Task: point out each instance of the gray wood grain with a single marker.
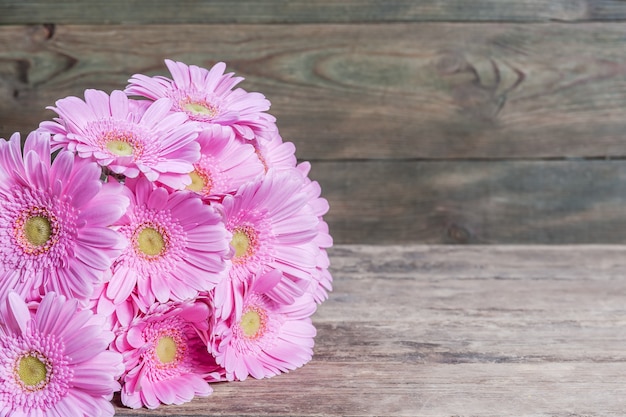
(299, 11)
(484, 202)
(504, 331)
(393, 91)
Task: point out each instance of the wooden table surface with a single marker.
(454, 331)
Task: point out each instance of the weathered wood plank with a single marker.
(475, 201)
(354, 389)
(293, 11)
(432, 90)
(454, 331)
(607, 10)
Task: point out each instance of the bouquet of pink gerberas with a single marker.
(152, 241)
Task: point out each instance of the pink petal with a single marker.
(19, 315)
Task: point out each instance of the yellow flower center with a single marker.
(197, 183)
(241, 242)
(31, 371)
(200, 181)
(200, 109)
(253, 323)
(120, 147)
(151, 242)
(37, 230)
(166, 349)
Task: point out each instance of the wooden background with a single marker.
(426, 121)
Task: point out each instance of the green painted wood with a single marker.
(476, 202)
(403, 90)
(300, 11)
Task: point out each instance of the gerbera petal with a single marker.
(160, 253)
(121, 284)
(62, 166)
(47, 210)
(158, 199)
(118, 104)
(209, 97)
(99, 237)
(93, 257)
(39, 143)
(160, 291)
(157, 111)
(19, 315)
(164, 393)
(68, 356)
(36, 170)
(103, 214)
(85, 183)
(98, 102)
(150, 382)
(122, 135)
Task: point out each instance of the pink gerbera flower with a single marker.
(225, 163)
(209, 97)
(54, 361)
(54, 220)
(166, 360)
(264, 338)
(272, 227)
(177, 246)
(322, 283)
(127, 139)
(276, 154)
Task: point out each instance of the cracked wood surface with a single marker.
(466, 331)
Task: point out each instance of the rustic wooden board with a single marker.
(607, 9)
(299, 11)
(367, 91)
(502, 331)
(475, 201)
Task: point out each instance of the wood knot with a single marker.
(15, 72)
(479, 83)
(458, 234)
(50, 29)
(450, 63)
(42, 33)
